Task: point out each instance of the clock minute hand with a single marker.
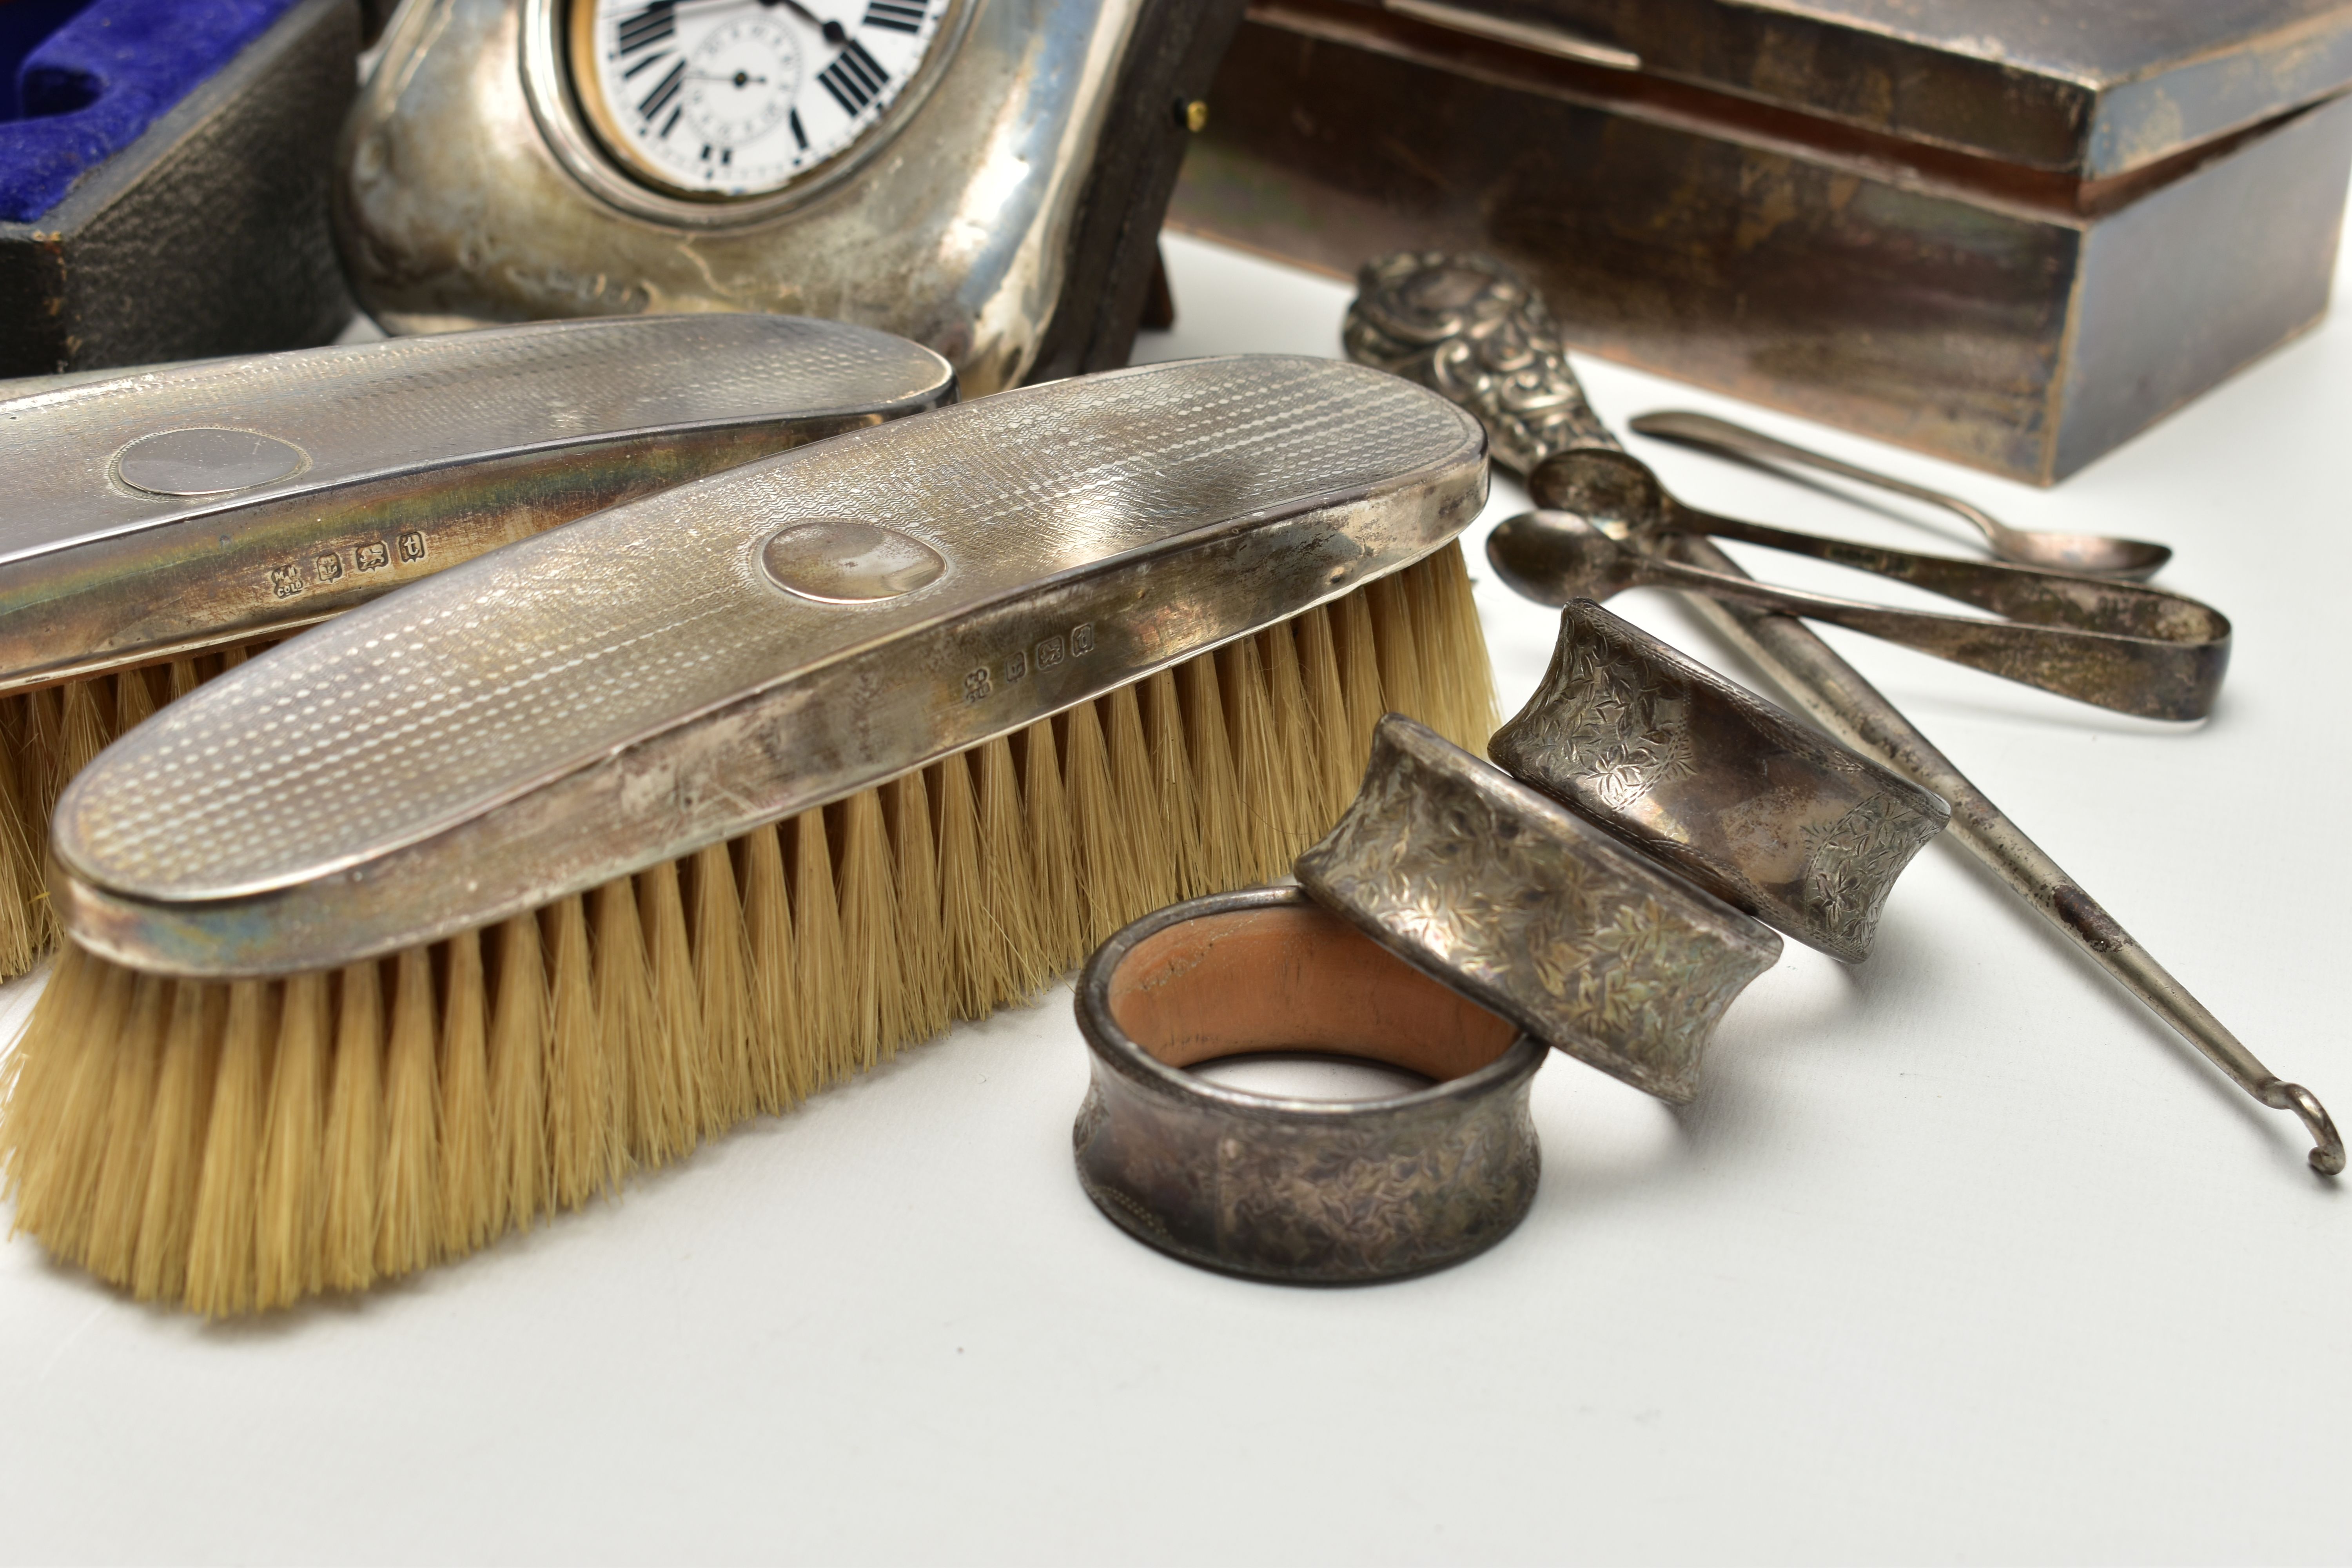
(834, 32)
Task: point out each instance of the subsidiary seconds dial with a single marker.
(741, 97)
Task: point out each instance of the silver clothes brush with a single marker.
(199, 510)
(158, 514)
(456, 907)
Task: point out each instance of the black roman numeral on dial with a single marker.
(714, 98)
(649, 26)
(663, 91)
(898, 15)
(853, 78)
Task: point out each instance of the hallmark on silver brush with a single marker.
(980, 682)
(287, 581)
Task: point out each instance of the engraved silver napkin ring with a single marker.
(1494, 889)
(1518, 924)
(1769, 814)
(1298, 1191)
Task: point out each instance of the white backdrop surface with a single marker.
(1958, 1256)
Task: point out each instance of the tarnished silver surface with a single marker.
(1766, 813)
(1856, 712)
(144, 517)
(1303, 1191)
(471, 191)
(1507, 896)
(837, 561)
(2123, 646)
(637, 685)
(1545, 37)
(1467, 327)
(200, 460)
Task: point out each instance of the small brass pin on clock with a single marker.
(986, 177)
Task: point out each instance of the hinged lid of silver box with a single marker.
(2087, 88)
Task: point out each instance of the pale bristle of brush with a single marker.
(47, 735)
(234, 1146)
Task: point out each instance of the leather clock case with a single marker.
(207, 233)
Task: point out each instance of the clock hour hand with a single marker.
(833, 31)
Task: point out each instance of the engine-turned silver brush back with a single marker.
(156, 513)
(671, 673)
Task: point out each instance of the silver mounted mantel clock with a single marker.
(746, 106)
(984, 176)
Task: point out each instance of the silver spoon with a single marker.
(2100, 554)
(1621, 496)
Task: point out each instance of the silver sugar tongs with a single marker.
(2123, 646)
(1469, 329)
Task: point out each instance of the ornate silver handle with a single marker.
(1471, 330)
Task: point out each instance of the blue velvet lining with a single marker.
(83, 78)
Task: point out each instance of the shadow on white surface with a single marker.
(1954, 1258)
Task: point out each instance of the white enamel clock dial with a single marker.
(741, 97)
